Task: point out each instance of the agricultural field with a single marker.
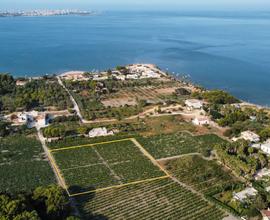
(121, 99)
(159, 199)
(166, 124)
(168, 145)
(131, 95)
(22, 164)
(101, 165)
(202, 175)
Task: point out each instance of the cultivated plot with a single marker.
(168, 145)
(159, 199)
(100, 166)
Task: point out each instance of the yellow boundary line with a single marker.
(51, 158)
(90, 145)
(150, 157)
(134, 141)
(119, 186)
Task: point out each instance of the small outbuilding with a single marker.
(250, 136)
(194, 104)
(244, 194)
(98, 132)
(201, 121)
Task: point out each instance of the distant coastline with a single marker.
(45, 13)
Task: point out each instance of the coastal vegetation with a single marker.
(151, 131)
(216, 97)
(243, 159)
(34, 94)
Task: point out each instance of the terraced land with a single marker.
(159, 199)
(168, 145)
(22, 165)
(96, 166)
(202, 175)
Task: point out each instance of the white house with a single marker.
(194, 104)
(21, 82)
(41, 120)
(119, 77)
(132, 76)
(100, 77)
(262, 173)
(265, 147)
(250, 136)
(74, 76)
(33, 118)
(201, 121)
(248, 192)
(23, 117)
(150, 74)
(97, 132)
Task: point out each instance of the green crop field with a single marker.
(167, 145)
(202, 175)
(103, 165)
(22, 166)
(159, 199)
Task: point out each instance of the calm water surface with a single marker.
(218, 49)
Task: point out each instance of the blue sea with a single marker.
(224, 50)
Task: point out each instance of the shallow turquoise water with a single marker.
(218, 49)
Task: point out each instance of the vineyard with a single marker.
(22, 166)
(202, 175)
(167, 145)
(101, 165)
(159, 199)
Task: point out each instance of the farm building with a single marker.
(24, 117)
(143, 71)
(201, 121)
(74, 76)
(132, 76)
(243, 195)
(249, 136)
(21, 82)
(97, 132)
(32, 119)
(193, 104)
(265, 147)
(262, 173)
(98, 77)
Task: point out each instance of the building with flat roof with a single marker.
(194, 104)
(244, 194)
(249, 136)
(98, 132)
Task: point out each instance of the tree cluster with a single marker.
(50, 203)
